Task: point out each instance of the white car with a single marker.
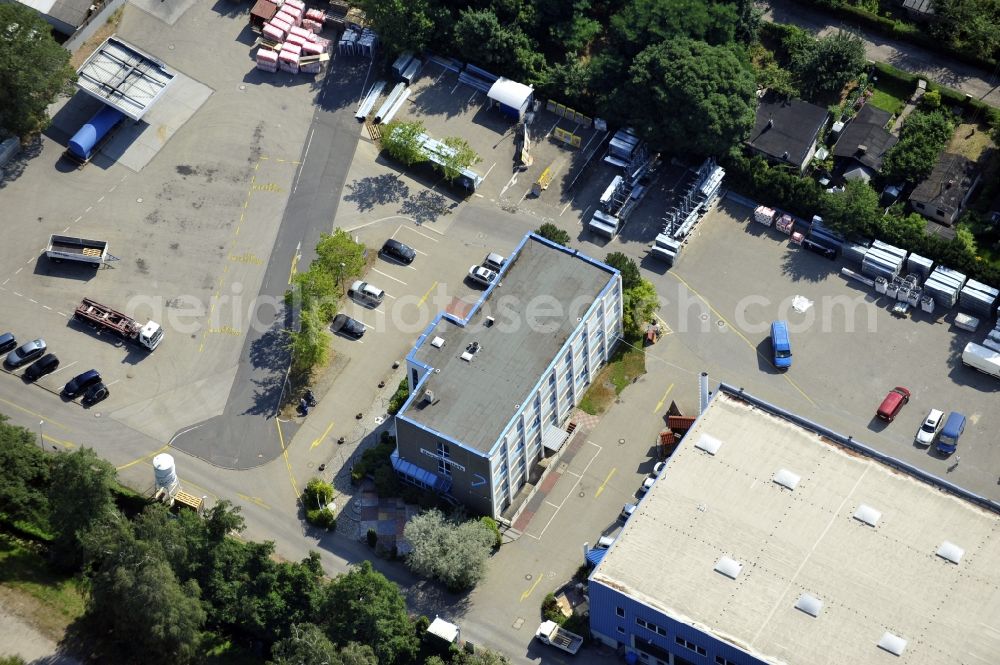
(658, 468)
(627, 511)
(481, 275)
(927, 431)
(604, 542)
(646, 484)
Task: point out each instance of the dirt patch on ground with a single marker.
(970, 140)
(20, 605)
(91, 44)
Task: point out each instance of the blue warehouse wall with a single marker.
(648, 631)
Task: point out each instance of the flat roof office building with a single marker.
(491, 391)
(768, 539)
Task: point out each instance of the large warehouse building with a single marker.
(769, 539)
(490, 392)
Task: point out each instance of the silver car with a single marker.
(26, 353)
(482, 276)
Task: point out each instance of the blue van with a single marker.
(952, 430)
(780, 345)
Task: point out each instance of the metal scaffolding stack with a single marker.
(696, 196)
(978, 298)
(944, 285)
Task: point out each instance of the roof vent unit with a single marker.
(951, 552)
(862, 149)
(709, 444)
(787, 479)
(809, 604)
(868, 515)
(894, 644)
(784, 155)
(429, 396)
(473, 348)
(490, 321)
(731, 568)
(466, 356)
(437, 342)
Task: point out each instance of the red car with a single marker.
(893, 402)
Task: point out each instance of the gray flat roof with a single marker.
(892, 577)
(475, 401)
(124, 77)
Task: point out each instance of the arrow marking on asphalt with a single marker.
(320, 439)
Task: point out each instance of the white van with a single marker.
(366, 294)
(981, 358)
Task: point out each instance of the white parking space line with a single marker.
(423, 235)
(29, 260)
(112, 383)
(64, 367)
(18, 270)
(389, 276)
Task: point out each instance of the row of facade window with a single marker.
(660, 630)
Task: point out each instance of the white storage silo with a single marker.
(165, 472)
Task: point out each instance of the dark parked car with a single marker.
(398, 251)
(7, 342)
(348, 326)
(95, 394)
(79, 383)
(41, 367)
(26, 353)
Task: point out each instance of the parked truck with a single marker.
(552, 633)
(981, 358)
(147, 335)
(81, 250)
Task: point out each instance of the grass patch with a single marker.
(24, 569)
(626, 365)
(891, 95)
(220, 651)
(970, 140)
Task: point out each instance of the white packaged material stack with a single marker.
(286, 17)
(267, 60)
(288, 59)
(273, 32)
(312, 26)
(315, 15)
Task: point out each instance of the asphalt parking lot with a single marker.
(735, 277)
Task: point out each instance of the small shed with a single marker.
(262, 12)
(445, 630)
(512, 97)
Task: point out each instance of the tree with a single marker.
(402, 25)
(363, 606)
(353, 653)
(481, 656)
(455, 553)
(627, 267)
(481, 38)
(640, 304)
(462, 158)
(552, 232)
(921, 140)
(708, 90)
(25, 476)
(835, 60)
(642, 23)
(340, 254)
(318, 493)
(853, 211)
(310, 344)
(79, 496)
(400, 140)
(137, 600)
(306, 645)
(34, 70)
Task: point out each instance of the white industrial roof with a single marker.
(799, 575)
(124, 77)
(40, 6)
(446, 630)
(509, 93)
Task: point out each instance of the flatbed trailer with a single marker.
(147, 335)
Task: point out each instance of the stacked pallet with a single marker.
(288, 57)
(978, 297)
(854, 252)
(992, 340)
(917, 264)
(267, 60)
(883, 260)
(944, 285)
(315, 15)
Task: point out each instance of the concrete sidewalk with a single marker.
(941, 69)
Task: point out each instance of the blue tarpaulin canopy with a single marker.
(595, 555)
(418, 476)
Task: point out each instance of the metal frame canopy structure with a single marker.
(124, 77)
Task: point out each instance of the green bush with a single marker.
(323, 518)
(386, 482)
(491, 524)
(551, 611)
(399, 397)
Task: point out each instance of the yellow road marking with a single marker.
(143, 458)
(64, 444)
(255, 500)
(284, 454)
(295, 264)
(604, 484)
(37, 415)
(659, 404)
(528, 592)
(741, 335)
(427, 294)
(320, 439)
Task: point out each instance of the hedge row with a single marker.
(898, 30)
(949, 97)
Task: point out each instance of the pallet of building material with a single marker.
(339, 7)
(369, 101)
(273, 33)
(927, 304)
(401, 63)
(297, 4)
(285, 17)
(847, 272)
(481, 73)
(312, 26)
(919, 264)
(398, 104)
(267, 60)
(316, 15)
(389, 101)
